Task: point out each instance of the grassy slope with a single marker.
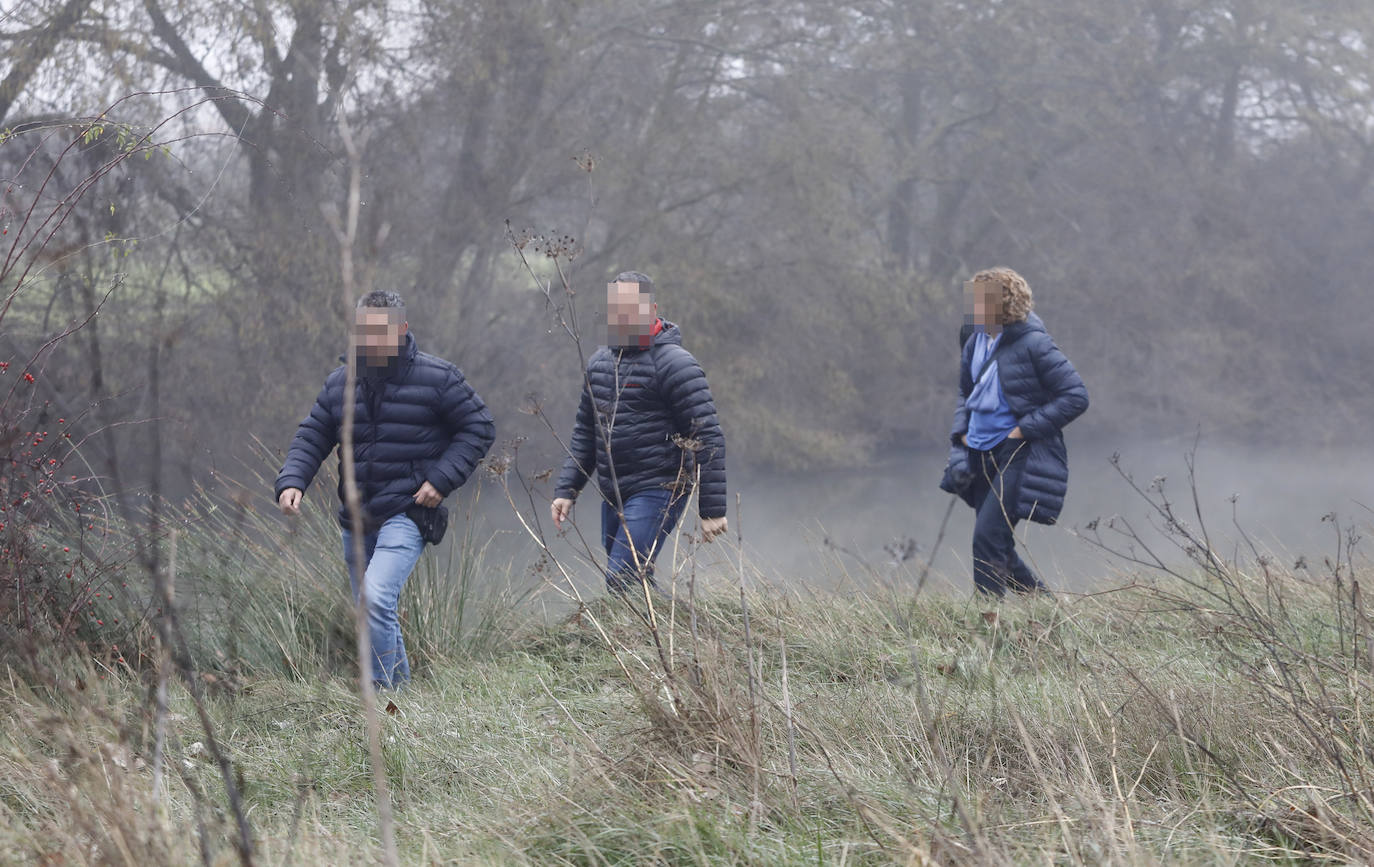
(1125, 727)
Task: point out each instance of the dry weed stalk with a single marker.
(346, 232)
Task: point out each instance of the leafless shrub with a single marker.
(55, 614)
(1300, 641)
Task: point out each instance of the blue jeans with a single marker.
(997, 477)
(390, 554)
(649, 517)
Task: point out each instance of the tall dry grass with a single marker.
(1197, 709)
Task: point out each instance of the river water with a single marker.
(836, 528)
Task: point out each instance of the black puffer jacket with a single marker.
(639, 401)
(419, 421)
(1045, 393)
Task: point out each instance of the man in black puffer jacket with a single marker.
(418, 433)
(647, 426)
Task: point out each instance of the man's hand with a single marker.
(963, 438)
(1015, 433)
(290, 501)
(559, 510)
(713, 527)
(428, 496)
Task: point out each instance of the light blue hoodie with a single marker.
(990, 419)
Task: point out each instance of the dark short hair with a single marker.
(646, 285)
(381, 298)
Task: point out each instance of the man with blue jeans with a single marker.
(391, 553)
(419, 430)
(647, 426)
(635, 542)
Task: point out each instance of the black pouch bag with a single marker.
(432, 523)
(958, 476)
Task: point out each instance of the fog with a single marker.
(1188, 187)
(832, 530)
(1280, 501)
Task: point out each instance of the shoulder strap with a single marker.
(987, 364)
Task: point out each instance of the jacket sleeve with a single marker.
(471, 432)
(581, 459)
(684, 389)
(315, 438)
(1068, 396)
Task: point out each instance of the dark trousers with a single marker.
(997, 477)
(633, 544)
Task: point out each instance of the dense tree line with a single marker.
(1185, 183)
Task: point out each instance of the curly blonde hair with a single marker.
(1017, 300)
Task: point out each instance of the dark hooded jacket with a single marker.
(1045, 393)
(654, 408)
(416, 421)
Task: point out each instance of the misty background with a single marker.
(1186, 186)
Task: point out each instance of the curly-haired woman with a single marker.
(1017, 391)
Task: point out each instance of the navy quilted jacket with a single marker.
(418, 422)
(1045, 393)
(647, 404)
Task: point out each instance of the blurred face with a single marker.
(630, 315)
(380, 332)
(983, 303)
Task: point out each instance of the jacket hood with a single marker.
(1013, 332)
(1031, 323)
(670, 334)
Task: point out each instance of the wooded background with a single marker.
(1185, 184)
